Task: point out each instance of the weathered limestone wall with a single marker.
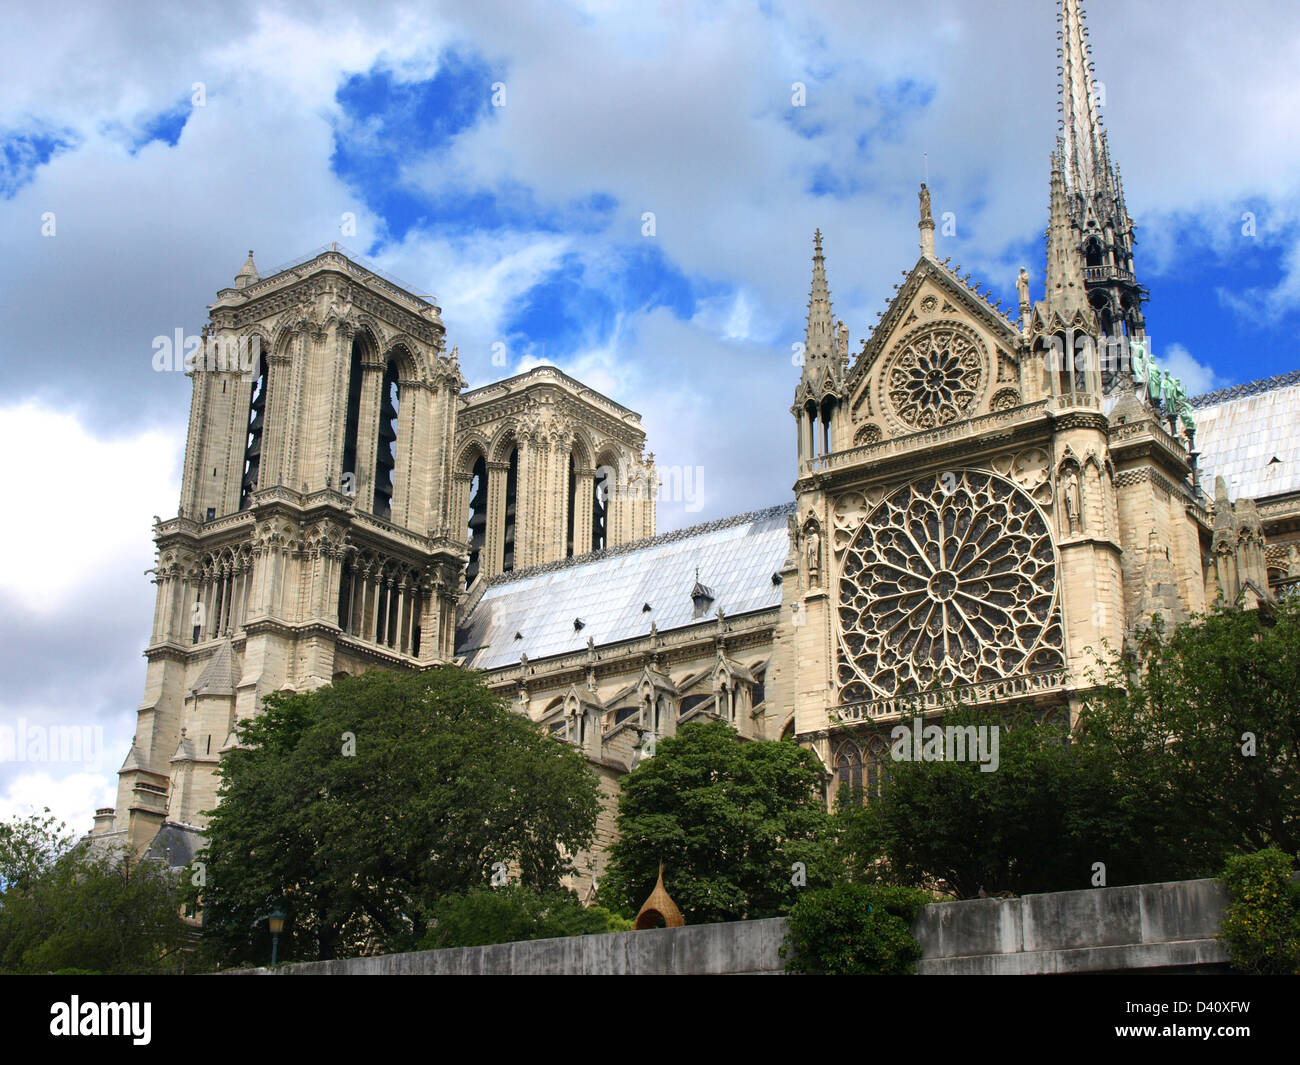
(1142, 927)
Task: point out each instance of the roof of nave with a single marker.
(608, 591)
(1250, 436)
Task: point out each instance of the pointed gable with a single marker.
(941, 353)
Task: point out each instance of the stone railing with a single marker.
(1107, 273)
(931, 701)
(926, 438)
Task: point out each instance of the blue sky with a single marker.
(504, 157)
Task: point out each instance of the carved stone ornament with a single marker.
(934, 376)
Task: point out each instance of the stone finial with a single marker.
(247, 273)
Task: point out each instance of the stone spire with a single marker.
(819, 337)
(1066, 299)
(1081, 132)
(824, 346)
(1095, 193)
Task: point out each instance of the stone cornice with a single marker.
(555, 377)
(422, 312)
(962, 442)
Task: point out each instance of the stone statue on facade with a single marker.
(813, 553)
(1070, 504)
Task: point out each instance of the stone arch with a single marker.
(473, 447)
(410, 353)
(504, 440)
(405, 355)
(582, 448)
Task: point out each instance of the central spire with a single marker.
(1095, 196)
(1084, 141)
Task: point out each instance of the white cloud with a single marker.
(72, 798)
(1197, 377)
(93, 495)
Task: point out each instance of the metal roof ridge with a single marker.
(1250, 388)
(651, 541)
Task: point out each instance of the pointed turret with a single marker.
(1063, 327)
(819, 336)
(825, 360)
(247, 273)
(1067, 298)
(1095, 194)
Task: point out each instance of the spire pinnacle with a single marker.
(1066, 292)
(1081, 132)
(819, 337)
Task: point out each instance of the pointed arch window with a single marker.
(477, 527)
(386, 450)
(352, 420)
(508, 539)
(573, 500)
(848, 774)
(600, 507)
(874, 763)
(253, 442)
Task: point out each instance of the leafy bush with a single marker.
(1261, 925)
(515, 912)
(854, 930)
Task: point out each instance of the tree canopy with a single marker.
(1187, 751)
(353, 808)
(728, 818)
(71, 907)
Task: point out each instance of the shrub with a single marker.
(853, 930)
(1261, 925)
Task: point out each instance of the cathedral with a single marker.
(980, 497)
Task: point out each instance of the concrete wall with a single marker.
(741, 947)
(1146, 926)
(1143, 927)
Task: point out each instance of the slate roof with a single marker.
(608, 590)
(1240, 431)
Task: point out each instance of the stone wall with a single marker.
(1148, 927)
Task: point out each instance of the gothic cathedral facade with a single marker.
(982, 498)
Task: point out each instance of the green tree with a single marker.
(1038, 822)
(514, 912)
(728, 818)
(1202, 727)
(29, 847)
(355, 807)
(90, 910)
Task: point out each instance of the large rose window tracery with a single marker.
(950, 580)
(934, 376)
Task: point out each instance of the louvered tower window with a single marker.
(386, 451)
(253, 444)
(348, 478)
(477, 529)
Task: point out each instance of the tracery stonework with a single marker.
(934, 376)
(950, 587)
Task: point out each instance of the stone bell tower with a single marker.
(313, 535)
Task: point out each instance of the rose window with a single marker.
(934, 377)
(950, 580)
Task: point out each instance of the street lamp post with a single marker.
(276, 923)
